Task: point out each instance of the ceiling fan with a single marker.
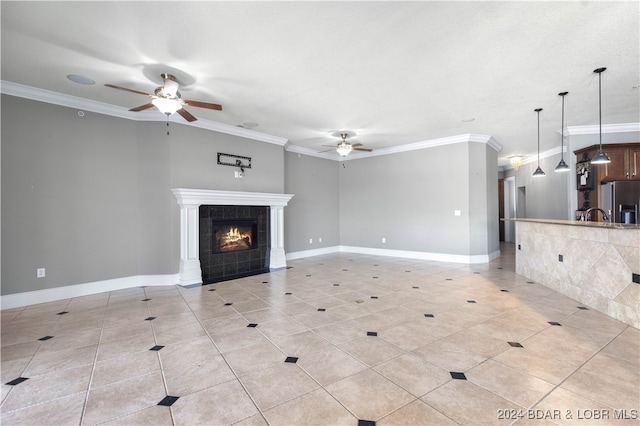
(344, 148)
(168, 100)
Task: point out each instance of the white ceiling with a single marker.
(395, 73)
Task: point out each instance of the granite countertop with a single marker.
(577, 223)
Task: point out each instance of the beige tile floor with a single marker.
(364, 347)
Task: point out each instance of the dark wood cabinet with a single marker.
(624, 165)
(617, 169)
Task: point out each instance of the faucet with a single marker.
(604, 214)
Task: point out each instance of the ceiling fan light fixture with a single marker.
(344, 148)
(167, 106)
(170, 88)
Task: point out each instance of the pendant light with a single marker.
(538, 172)
(562, 166)
(601, 157)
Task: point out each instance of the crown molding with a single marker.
(327, 155)
(47, 96)
(594, 129)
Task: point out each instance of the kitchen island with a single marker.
(595, 263)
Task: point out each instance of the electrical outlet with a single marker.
(310, 240)
(384, 240)
(457, 213)
(40, 273)
(237, 175)
(320, 239)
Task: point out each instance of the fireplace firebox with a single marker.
(234, 235)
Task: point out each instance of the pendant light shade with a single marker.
(562, 166)
(538, 172)
(601, 157)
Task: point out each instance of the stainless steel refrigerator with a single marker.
(621, 200)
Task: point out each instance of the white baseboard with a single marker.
(310, 253)
(439, 257)
(17, 300)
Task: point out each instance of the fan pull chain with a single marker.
(167, 124)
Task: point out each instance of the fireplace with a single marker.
(193, 268)
(234, 242)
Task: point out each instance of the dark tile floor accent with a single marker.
(17, 381)
(291, 359)
(515, 344)
(168, 401)
(471, 301)
(156, 348)
(321, 309)
(366, 422)
(45, 338)
(145, 300)
(457, 375)
(252, 325)
(150, 318)
(372, 333)
(555, 323)
(62, 313)
(429, 315)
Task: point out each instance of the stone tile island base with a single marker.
(591, 262)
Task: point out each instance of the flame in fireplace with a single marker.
(234, 236)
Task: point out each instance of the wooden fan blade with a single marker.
(202, 104)
(362, 149)
(334, 146)
(142, 107)
(356, 144)
(127, 90)
(186, 115)
(326, 150)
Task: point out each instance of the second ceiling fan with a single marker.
(344, 148)
(168, 100)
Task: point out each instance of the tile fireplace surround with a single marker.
(190, 201)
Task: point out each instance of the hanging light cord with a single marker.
(538, 111)
(562, 131)
(600, 103)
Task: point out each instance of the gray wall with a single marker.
(314, 212)
(547, 197)
(409, 198)
(88, 198)
(483, 199)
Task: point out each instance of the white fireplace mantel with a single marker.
(190, 200)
